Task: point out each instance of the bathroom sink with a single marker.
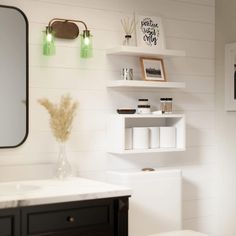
(13, 188)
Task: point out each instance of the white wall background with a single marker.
(188, 25)
(225, 33)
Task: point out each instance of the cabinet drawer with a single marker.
(6, 228)
(9, 222)
(70, 216)
(66, 219)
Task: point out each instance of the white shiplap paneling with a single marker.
(188, 25)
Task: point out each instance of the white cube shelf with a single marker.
(118, 123)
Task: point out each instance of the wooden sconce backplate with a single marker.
(65, 29)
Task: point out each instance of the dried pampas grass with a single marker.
(61, 116)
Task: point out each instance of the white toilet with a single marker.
(156, 203)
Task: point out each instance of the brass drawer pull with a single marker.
(70, 219)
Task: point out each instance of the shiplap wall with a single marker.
(188, 25)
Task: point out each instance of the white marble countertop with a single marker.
(36, 192)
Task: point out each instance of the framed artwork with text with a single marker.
(149, 32)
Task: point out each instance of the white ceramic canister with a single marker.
(144, 109)
(140, 138)
(143, 101)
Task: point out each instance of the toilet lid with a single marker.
(180, 233)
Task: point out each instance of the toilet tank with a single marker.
(156, 202)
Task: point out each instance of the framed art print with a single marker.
(153, 69)
(149, 32)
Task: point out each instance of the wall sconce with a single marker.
(66, 29)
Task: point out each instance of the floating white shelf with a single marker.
(143, 151)
(144, 84)
(118, 123)
(141, 51)
(142, 116)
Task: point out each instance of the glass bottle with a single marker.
(163, 105)
(127, 41)
(63, 168)
(168, 105)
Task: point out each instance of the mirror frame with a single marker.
(26, 73)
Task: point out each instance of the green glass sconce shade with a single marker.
(86, 46)
(48, 42)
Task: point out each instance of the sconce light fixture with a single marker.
(66, 29)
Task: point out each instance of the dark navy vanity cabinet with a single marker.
(100, 217)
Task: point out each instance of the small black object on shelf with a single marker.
(126, 111)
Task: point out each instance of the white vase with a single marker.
(63, 168)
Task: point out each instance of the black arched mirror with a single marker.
(13, 77)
